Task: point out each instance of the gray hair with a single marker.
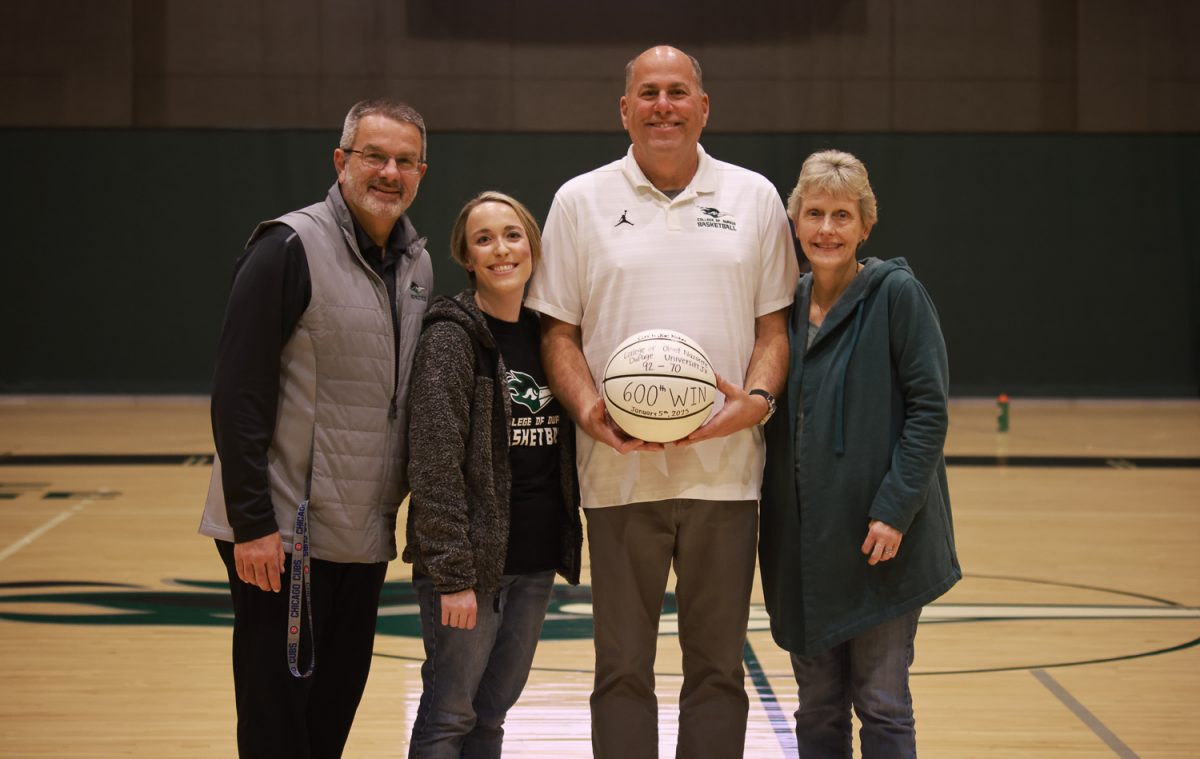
(695, 68)
(836, 173)
(392, 109)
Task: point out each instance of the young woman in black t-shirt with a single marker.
(494, 512)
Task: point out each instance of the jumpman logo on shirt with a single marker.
(623, 220)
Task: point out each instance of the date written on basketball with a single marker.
(659, 386)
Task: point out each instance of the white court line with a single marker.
(40, 531)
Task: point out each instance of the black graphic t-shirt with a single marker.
(537, 499)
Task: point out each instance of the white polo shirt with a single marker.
(619, 257)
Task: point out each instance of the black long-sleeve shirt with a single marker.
(271, 290)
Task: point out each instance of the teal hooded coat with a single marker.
(873, 388)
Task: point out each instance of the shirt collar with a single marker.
(396, 246)
(399, 240)
(703, 181)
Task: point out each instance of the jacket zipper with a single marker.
(393, 412)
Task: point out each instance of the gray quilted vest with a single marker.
(338, 372)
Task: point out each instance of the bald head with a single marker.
(664, 110)
(663, 53)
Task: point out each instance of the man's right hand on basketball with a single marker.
(600, 426)
(260, 562)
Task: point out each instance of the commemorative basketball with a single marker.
(659, 386)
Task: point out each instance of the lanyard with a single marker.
(300, 597)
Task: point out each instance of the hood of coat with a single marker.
(847, 308)
(874, 272)
(464, 311)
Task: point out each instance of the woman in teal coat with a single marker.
(856, 532)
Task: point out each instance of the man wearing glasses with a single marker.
(309, 415)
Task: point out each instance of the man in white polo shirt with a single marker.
(668, 238)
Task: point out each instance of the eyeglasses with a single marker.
(376, 161)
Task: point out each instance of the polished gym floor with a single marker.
(1072, 634)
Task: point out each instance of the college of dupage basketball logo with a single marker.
(524, 389)
(714, 218)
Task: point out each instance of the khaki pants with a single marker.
(712, 546)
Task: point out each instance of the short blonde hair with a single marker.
(836, 173)
(458, 234)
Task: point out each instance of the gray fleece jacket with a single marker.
(459, 470)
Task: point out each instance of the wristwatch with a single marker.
(770, 404)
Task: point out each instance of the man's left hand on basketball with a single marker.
(741, 410)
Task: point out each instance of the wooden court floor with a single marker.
(1073, 634)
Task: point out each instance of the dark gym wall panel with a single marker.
(1060, 264)
(1035, 159)
(556, 65)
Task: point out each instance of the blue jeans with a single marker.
(472, 677)
(870, 672)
